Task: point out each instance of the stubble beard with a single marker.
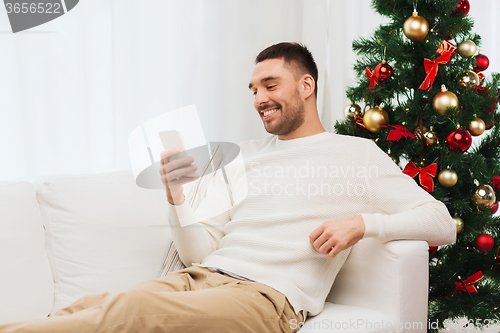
(291, 120)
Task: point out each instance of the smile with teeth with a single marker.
(269, 112)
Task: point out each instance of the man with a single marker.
(304, 197)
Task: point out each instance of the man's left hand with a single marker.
(336, 235)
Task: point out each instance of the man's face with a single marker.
(277, 97)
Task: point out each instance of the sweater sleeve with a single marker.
(400, 208)
(197, 234)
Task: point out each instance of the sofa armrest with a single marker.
(392, 278)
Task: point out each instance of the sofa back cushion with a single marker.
(103, 233)
(27, 290)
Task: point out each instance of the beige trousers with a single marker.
(194, 300)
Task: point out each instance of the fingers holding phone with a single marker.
(176, 166)
(177, 171)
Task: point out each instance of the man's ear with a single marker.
(307, 86)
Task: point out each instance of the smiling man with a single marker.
(270, 260)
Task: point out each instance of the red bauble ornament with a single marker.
(494, 208)
(484, 242)
(482, 62)
(463, 8)
(459, 139)
(383, 71)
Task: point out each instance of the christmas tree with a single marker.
(421, 97)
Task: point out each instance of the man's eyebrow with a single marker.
(268, 78)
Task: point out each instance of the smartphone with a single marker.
(171, 139)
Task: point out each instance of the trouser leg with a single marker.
(182, 282)
(83, 303)
(191, 300)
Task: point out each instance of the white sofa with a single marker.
(70, 235)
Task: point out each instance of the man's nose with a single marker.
(261, 98)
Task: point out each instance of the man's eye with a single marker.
(254, 93)
(271, 87)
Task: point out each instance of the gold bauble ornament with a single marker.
(430, 137)
(416, 27)
(484, 196)
(444, 100)
(468, 80)
(459, 223)
(350, 111)
(374, 118)
(467, 48)
(448, 178)
(476, 127)
(419, 132)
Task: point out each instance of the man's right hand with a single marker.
(172, 173)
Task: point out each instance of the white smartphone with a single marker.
(171, 139)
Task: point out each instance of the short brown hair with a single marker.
(294, 54)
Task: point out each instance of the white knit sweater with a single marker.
(285, 189)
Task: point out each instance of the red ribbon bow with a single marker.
(373, 79)
(425, 176)
(431, 68)
(496, 182)
(398, 132)
(466, 284)
(483, 91)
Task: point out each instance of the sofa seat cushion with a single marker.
(103, 233)
(348, 319)
(27, 289)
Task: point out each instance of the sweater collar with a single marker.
(299, 141)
